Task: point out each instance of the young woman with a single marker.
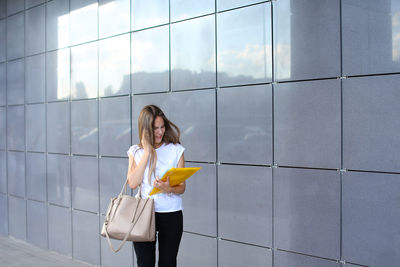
(158, 151)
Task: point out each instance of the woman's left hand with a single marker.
(163, 186)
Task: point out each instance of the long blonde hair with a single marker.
(146, 120)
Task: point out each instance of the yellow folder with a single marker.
(176, 176)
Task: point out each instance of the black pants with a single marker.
(169, 227)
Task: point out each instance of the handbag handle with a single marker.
(124, 189)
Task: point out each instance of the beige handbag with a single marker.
(129, 218)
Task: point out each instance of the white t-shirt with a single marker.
(167, 157)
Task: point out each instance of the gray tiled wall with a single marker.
(290, 107)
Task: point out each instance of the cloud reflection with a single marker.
(150, 60)
(114, 65)
(245, 45)
(251, 61)
(84, 71)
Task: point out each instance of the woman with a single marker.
(158, 151)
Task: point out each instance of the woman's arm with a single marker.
(136, 172)
(166, 187)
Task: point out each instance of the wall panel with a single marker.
(290, 107)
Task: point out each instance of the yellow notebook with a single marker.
(176, 176)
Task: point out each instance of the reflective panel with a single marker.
(85, 232)
(84, 129)
(191, 69)
(247, 218)
(307, 124)
(57, 24)
(14, 6)
(37, 223)
(193, 249)
(245, 46)
(15, 128)
(184, 9)
(35, 127)
(146, 14)
(284, 259)
(124, 257)
(114, 66)
(15, 82)
(32, 3)
(306, 39)
(15, 36)
(36, 178)
(35, 79)
(60, 230)
(370, 123)
(194, 113)
(371, 218)
(3, 10)
(83, 21)
(3, 40)
(3, 172)
(112, 177)
(115, 126)
(245, 124)
(150, 60)
(58, 130)
(35, 40)
(237, 254)
(59, 179)
(201, 209)
(17, 217)
(351, 265)
(110, 23)
(307, 211)
(139, 102)
(3, 84)
(3, 214)
(85, 187)
(58, 75)
(3, 128)
(84, 75)
(228, 4)
(361, 20)
(16, 173)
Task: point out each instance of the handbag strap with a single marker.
(124, 188)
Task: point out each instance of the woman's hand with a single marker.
(145, 143)
(166, 187)
(163, 186)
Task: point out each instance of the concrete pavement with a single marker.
(16, 253)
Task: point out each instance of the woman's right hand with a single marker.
(145, 143)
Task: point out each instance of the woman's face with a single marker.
(159, 130)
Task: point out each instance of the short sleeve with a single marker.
(179, 151)
(132, 150)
